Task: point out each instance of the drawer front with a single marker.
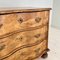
(12, 22)
(12, 42)
(29, 53)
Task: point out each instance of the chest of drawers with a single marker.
(24, 33)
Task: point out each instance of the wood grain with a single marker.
(23, 33)
(26, 47)
(12, 23)
(22, 38)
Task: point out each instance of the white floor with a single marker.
(54, 45)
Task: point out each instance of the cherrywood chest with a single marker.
(24, 33)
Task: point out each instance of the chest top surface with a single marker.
(21, 10)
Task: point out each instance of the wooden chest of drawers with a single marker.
(24, 33)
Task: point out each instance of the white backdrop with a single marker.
(56, 14)
(25, 3)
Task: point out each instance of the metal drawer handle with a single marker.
(37, 50)
(2, 47)
(20, 20)
(37, 36)
(37, 19)
(19, 38)
(1, 25)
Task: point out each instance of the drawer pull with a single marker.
(20, 20)
(37, 19)
(1, 25)
(37, 51)
(2, 47)
(19, 38)
(37, 36)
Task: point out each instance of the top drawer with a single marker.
(12, 22)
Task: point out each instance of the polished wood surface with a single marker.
(13, 22)
(4, 11)
(24, 36)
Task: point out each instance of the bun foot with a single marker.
(45, 55)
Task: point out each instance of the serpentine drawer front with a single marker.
(23, 33)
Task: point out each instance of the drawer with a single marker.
(10, 43)
(29, 53)
(12, 22)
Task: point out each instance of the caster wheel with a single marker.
(45, 55)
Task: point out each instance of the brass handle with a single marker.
(37, 50)
(2, 47)
(37, 19)
(1, 25)
(37, 36)
(20, 20)
(19, 38)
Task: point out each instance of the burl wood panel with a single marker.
(23, 36)
(28, 53)
(17, 21)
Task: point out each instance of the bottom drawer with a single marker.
(28, 53)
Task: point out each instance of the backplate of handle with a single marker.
(37, 19)
(20, 20)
